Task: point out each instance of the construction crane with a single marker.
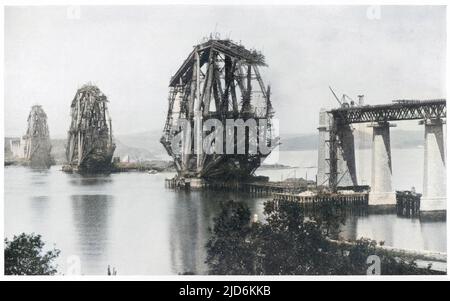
(335, 96)
(343, 102)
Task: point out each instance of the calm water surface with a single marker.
(131, 222)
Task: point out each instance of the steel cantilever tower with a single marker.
(219, 80)
(90, 145)
(37, 139)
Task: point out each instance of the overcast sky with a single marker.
(131, 53)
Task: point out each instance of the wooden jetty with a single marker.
(259, 187)
(408, 203)
(344, 199)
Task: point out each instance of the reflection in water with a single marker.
(39, 177)
(400, 232)
(349, 229)
(187, 230)
(429, 231)
(130, 221)
(90, 215)
(383, 228)
(40, 207)
(191, 222)
(90, 180)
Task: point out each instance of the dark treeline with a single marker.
(290, 242)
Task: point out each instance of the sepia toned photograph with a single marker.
(204, 140)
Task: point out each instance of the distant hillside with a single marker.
(122, 150)
(289, 142)
(299, 142)
(399, 139)
(59, 150)
(134, 153)
(146, 145)
(145, 140)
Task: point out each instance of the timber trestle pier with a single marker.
(336, 154)
(351, 199)
(407, 202)
(253, 188)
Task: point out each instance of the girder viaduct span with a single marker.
(337, 152)
(400, 110)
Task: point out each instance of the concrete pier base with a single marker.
(387, 200)
(381, 192)
(323, 167)
(196, 183)
(435, 176)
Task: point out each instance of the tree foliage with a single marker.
(230, 251)
(25, 255)
(288, 243)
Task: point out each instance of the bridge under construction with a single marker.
(90, 145)
(219, 80)
(336, 155)
(37, 145)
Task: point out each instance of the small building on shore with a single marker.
(17, 147)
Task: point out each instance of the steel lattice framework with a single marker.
(401, 110)
(343, 117)
(89, 145)
(219, 80)
(37, 139)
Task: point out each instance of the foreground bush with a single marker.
(290, 244)
(24, 255)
